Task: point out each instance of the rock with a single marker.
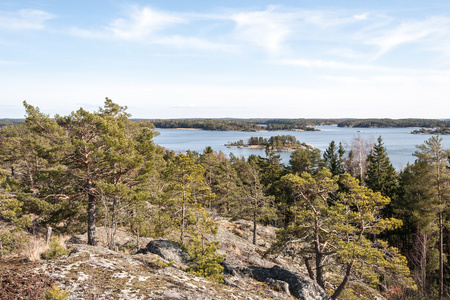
(94, 272)
(122, 238)
(278, 285)
(300, 286)
(168, 250)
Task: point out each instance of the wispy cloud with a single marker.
(429, 30)
(348, 35)
(140, 24)
(267, 29)
(25, 19)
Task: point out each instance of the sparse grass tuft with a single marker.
(56, 249)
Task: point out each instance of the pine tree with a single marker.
(434, 159)
(305, 160)
(203, 253)
(338, 231)
(187, 190)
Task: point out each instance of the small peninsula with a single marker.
(277, 143)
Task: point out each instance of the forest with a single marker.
(344, 211)
(275, 143)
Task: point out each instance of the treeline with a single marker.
(346, 215)
(279, 142)
(296, 124)
(235, 124)
(393, 123)
(207, 124)
(9, 122)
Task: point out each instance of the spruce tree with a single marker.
(381, 175)
(333, 158)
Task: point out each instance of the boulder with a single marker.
(168, 250)
(300, 286)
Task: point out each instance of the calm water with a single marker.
(398, 142)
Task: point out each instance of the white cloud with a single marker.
(25, 19)
(362, 16)
(267, 29)
(141, 24)
(409, 32)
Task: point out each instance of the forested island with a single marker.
(232, 124)
(276, 143)
(439, 126)
(341, 224)
(394, 123)
(441, 131)
(433, 126)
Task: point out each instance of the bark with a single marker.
(49, 235)
(319, 274)
(341, 287)
(254, 227)
(308, 267)
(91, 214)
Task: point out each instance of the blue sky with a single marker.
(243, 59)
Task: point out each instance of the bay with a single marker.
(400, 144)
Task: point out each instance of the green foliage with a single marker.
(394, 123)
(333, 158)
(381, 175)
(13, 241)
(55, 249)
(56, 293)
(336, 227)
(202, 253)
(187, 189)
(305, 160)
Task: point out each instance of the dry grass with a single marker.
(34, 248)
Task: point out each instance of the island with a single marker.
(276, 143)
(441, 131)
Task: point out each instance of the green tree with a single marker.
(305, 160)
(417, 238)
(333, 158)
(381, 175)
(254, 203)
(11, 211)
(203, 253)
(186, 188)
(227, 188)
(90, 154)
(434, 159)
(337, 231)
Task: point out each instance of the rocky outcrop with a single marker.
(300, 286)
(168, 250)
(122, 239)
(93, 272)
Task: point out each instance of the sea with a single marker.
(400, 144)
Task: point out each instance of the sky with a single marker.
(215, 59)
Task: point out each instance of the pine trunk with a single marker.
(91, 214)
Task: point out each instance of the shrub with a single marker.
(55, 293)
(56, 249)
